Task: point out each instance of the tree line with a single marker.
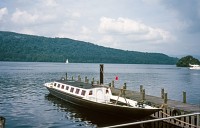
(30, 48)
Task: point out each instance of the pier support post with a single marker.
(2, 122)
(184, 97)
(113, 84)
(143, 95)
(66, 76)
(165, 98)
(79, 78)
(198, 120)
(162, 93)
(141, 88)
(101, 73)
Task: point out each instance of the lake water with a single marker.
(25, 102)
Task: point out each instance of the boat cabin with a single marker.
(87, 91)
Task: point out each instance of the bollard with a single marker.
(113, 84)
(162, 93)
(141, 88)
(86, 79)
(165, 98)
(109, 85)
(97, 82)
(72, 78)
(184, 97)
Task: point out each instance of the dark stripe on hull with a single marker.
(109, 109)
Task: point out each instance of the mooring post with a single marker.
(141, 88)
(113, 84)
(66, 76)
(2, 122)
(101, 73)
(165, 98)
(79, 78)
(162, 93)
(184, 97)
(143, 94)
(124, 88)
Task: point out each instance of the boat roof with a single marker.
(79, 84)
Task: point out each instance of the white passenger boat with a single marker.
(98, 98)
(194, 66)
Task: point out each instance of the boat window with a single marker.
(90, 93)
(54, 84)
(67, 87)
(58, 86)
(72, 89)
(83, 92)
(62, 87)
(77, 91)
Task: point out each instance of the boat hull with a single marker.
(104, 108)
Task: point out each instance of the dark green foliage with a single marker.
(185, 61)
(20, 47)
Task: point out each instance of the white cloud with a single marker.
(132, 30)
(3, 11)
(23, 17)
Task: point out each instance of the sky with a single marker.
(171, 27)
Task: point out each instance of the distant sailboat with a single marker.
(67, 61)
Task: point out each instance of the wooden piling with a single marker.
(143, 94)
(162, 93)
(113, 84)
(141, 88)
(79, 78)
(101, 73)
(184, 97)
(66, 76)
(165, 98)
(86, 79)
(2, 122)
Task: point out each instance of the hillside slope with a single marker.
(21, 47)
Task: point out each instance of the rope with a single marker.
(180, 120)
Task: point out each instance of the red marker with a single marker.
(116, 78)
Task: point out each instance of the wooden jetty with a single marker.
(171, 108)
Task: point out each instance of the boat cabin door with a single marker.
(100, 95)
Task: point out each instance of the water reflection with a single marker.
(89, 118)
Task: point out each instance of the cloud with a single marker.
(23, 17)
(188, 13)
(132, 30)
(3, 11)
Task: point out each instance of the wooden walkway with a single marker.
(158, 101)
(168, 108)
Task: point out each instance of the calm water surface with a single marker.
(25, 102)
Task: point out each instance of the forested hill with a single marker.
(21, 47)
